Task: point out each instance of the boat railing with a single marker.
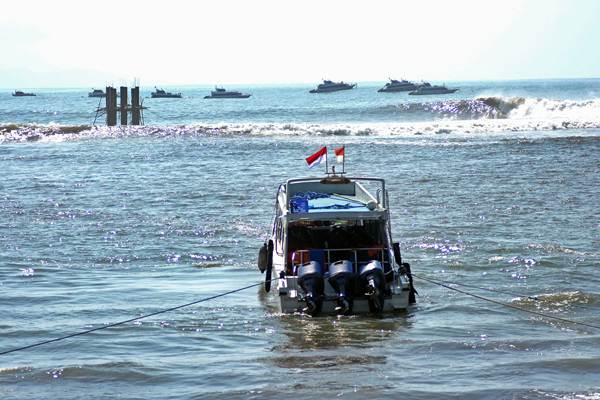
(358, 255)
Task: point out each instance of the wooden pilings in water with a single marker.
(111, 106)
(123, 108)
(135, 105)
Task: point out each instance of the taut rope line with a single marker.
(128, 320)
(442, 284)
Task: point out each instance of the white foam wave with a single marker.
(519, 115)
(526, 127)
(567, 110)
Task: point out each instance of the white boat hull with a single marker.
(331, 251)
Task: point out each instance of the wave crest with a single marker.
(480, 116)
(502, 106)
(470, 128)
(577, 110)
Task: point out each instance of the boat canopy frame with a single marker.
(383, 202)
(284, 216)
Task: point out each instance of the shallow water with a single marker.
(97, 229)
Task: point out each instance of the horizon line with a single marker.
(303, 83)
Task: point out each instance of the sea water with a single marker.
(495, 186)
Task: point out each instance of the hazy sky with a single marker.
(81, 43)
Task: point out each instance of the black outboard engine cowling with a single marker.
(372, 284)
(310, 279)
(341, 279)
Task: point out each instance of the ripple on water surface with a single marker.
(97, 231)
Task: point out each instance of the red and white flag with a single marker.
(339, 154)
(317, 158)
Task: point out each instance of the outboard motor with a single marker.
(372, 283)
(341, 279)
(310, 279)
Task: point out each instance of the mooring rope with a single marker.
(443, 284)
(529, 297)
(511, 293)
(430, 280)
(129, 320)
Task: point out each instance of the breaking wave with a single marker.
(473, 116)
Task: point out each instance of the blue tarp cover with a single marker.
(314, 202)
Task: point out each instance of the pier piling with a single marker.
(112, 108)
(123, 110)
(135, 105)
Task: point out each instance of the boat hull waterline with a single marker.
(243, 96)
(432, 90)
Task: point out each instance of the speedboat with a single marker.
(159, 93)
(96, 93)
(398, 86)
(330, 86)
(19, 93)
(221, 93)
(330, 249)
(432, 89)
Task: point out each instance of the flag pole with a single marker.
(326, 165)
(344, 161)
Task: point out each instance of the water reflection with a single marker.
(303, 332)
(328, 332)
(330, 345)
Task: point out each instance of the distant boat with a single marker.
(398, 86)
(19, 93)
(329, 86)
(159, 93)
(96, 93)
(427, 89)
(221, 93)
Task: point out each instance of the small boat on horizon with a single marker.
(19, 93)
(329, 86)
(221, 93)
(161, 94)
(428, 89)
(330, 249)
(395, 85)
(96, 93)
